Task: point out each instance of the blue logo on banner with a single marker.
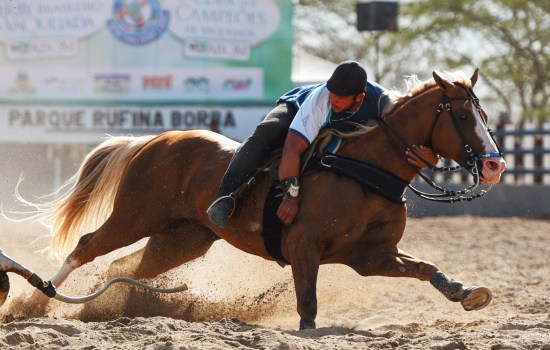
(138, 22)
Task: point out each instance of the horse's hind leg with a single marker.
(393, 262)
(115, 233)
(177, 244)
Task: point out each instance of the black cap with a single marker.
(348, 79)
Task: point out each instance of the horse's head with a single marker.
(460, 130)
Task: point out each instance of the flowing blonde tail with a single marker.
(87, 199)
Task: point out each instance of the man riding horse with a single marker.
(344, 101)
(117, 187)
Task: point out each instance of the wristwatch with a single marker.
(290, 187)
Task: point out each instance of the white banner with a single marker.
(91, 124)
(249, 21)
(131, 84)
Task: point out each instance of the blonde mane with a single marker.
(416, 87)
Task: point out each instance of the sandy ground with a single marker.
(238, 301)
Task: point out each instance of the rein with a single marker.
(446, 195)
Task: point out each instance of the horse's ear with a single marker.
(473, 79)
(443, 83)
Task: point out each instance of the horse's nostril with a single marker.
(493, 165)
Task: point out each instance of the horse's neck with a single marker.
(412, 122)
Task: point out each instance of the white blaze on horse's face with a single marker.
(493, 167)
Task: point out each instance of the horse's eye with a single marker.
(463, 116)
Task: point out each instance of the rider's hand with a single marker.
(288, 210)
(425, 152)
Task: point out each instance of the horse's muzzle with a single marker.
(492, 170)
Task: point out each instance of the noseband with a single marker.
(445, 103)
(472, 162)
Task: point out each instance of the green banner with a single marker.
(203, 52)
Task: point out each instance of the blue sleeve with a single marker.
(375, 94)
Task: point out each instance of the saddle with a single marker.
(321, 155)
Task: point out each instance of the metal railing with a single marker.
(527, 155)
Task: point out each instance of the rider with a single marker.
(345, 99)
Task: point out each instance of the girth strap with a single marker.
(385, 184)
(272, 225)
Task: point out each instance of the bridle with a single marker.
(472, 162)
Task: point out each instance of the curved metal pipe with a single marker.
(7, 264)
(78, 300)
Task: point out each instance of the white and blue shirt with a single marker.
(315, 112)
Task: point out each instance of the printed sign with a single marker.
(84, 124)
(242, 20)
(80, 51)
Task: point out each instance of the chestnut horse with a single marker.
(160, 187)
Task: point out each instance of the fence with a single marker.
(523, 191)
(527, 155)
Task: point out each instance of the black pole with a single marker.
(377, 16)
(377, 75)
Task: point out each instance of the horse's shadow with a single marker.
(128, 301)
(328, 331)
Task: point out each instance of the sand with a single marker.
(238, 301)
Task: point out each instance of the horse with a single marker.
(160, 187)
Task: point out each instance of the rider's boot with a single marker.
(269, 135)
(221, 210)
(241, 168)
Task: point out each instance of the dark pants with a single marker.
(269, 136)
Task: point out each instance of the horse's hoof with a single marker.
(307, 324)
(475, 298)
(4, 287)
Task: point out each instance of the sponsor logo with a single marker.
(157, 82)
(68, 84)
(196, 84)
(112, 83)
(197, 47)
(22, 84)
(239, 51)
(237, 84)
(138, 22)
(41, 47)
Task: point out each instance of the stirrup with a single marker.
(221, 210)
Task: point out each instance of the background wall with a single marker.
(502, 201)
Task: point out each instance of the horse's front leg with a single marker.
(393, 262)
(304, 259)
(471, 298)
